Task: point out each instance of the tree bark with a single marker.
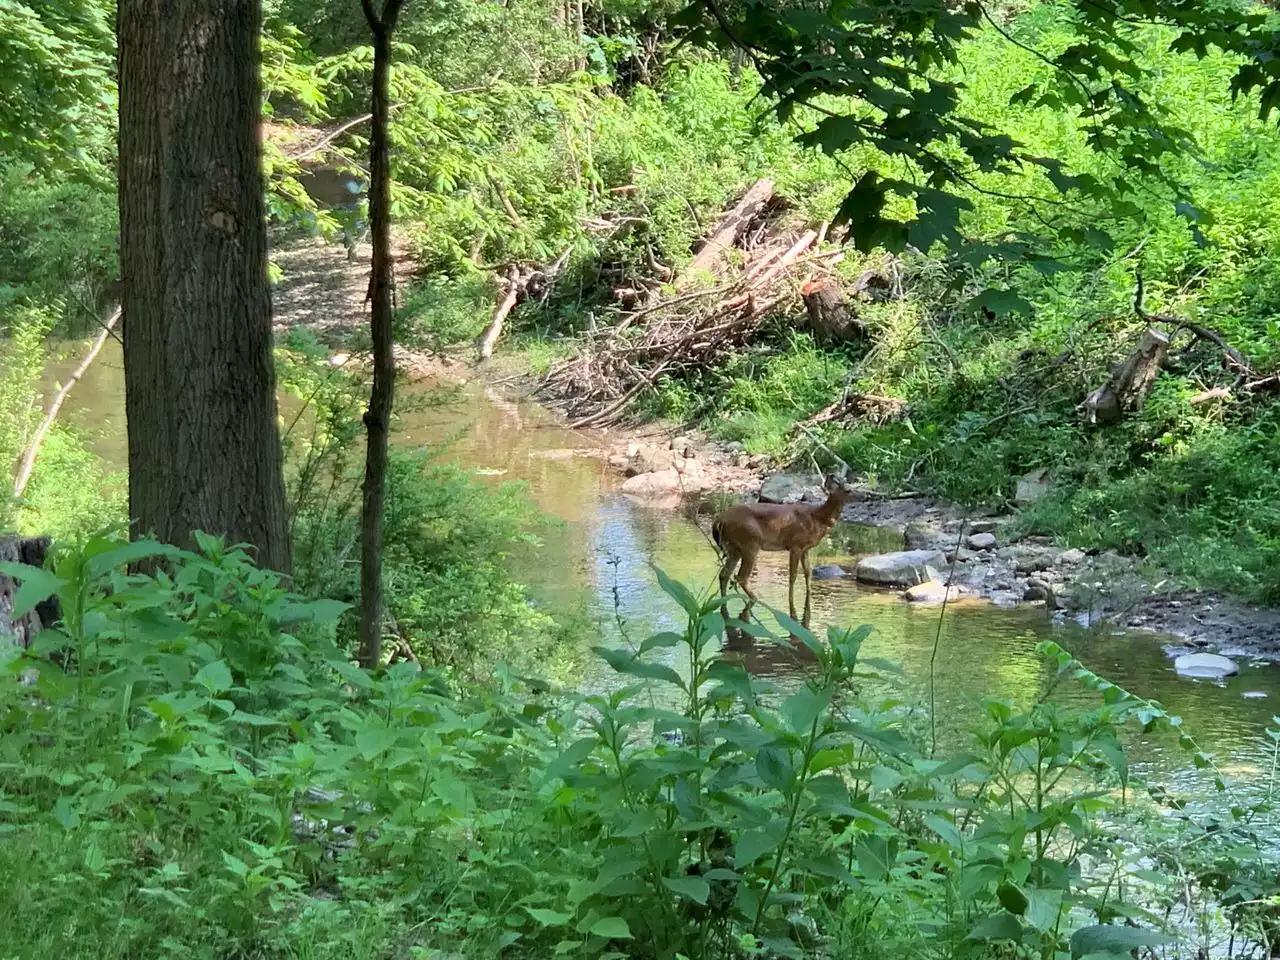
(22, 630)
(831, 318)
(377, 418)
(204, 447)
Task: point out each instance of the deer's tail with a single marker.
(716, 533)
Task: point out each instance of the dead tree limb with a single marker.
(513, 286)
(37, 439)
(1130, 382)
(730, 227)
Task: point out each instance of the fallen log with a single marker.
(1130, 382)
(731, 227)
(518, 283)
(513, 287)
(37, 439)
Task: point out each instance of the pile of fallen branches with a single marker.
(750, 265)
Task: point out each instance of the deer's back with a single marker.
(772, 526)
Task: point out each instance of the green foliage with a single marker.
(57, 98)
(447, 538)
(201, 770)
(57, 247)
(884, 77)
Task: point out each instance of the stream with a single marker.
(595, 557)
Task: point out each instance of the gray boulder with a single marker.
(905, 568)
(981, 541)
(829, 571)
(1205, 666)
(789, 487)
(1032, 486)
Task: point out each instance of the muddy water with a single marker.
(595, 559)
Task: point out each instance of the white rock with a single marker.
(660, 483)
(1205, 666)
(932, 591)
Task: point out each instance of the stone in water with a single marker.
(1205, 666)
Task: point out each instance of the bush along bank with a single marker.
(190, 763)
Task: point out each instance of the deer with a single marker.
(742, 531)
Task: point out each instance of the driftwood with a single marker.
(37, 439)
(731, 228)
(663, 332)
(1130, 382)
(22, 630)
(520, 282)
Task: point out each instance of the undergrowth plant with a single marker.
(191, 764)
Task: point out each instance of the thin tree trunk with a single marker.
(204, 447)
(377, 419)
(37, 439)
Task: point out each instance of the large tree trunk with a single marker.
(378, 417)
(204, 449)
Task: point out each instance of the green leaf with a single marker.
(876, 856)
(611, 928)
(802, 709)
(660, 640)
(66, 814)
(548, 918)
(946, 830)
(572, 757)
(214, 677)
(1112, 940)
(751, 846)
(624, 662)
(695, 888)
(678, 592)
(35, 585)
(1001, 302)
(371, 741)
(775, 768)
(130, 553)
(1043, 908)
(354, 675)
(1001, 926)
(1011, 898)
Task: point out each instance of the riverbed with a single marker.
(596, 558)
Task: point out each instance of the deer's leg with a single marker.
(794, 559)
(731, 558)
(744, 575)
(804, 564)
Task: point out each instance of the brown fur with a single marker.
(742, 531)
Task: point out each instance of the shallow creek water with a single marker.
(595, 558)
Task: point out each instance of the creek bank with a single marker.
(1091, 587)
